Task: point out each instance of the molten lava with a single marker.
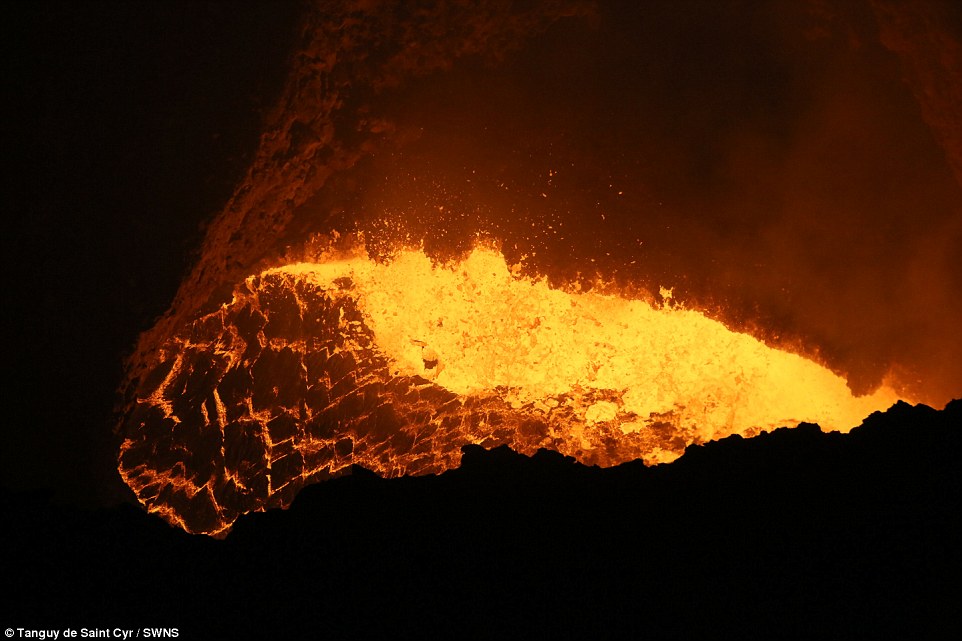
(395, 365)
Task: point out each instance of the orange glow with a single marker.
(395, 365)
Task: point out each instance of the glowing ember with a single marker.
(394, 366)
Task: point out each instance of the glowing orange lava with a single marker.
(395, 365)
(490, 332)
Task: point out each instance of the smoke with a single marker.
(767, 160)
(852, 209)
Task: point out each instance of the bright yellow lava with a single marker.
(478, 329)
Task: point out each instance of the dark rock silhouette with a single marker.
(795, 533)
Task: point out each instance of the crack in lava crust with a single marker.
(314, 367)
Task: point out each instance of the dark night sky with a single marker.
(134, 121)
